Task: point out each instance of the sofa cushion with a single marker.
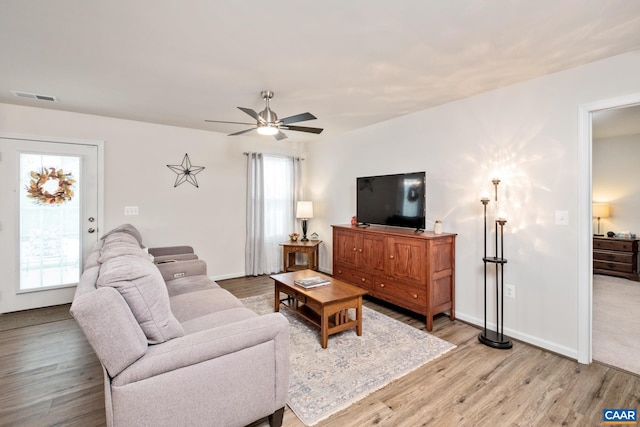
(200, 303)
(118, 248)
(184, 285)
(126, 228)
(217, 319)
(120, 237)
(142, 287)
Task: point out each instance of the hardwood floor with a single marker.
(50, 377)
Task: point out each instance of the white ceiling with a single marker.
(351, 63)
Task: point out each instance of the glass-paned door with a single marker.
(49, 216)
(48, 219)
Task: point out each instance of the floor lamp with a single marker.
(496, 339)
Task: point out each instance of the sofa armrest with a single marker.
(212, 343)
(171, 250)
(162, 259)
(175, 270)
(110, 327)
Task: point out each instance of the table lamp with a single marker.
(304, 211)
(600, 210)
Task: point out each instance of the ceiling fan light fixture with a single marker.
(267, 129)
(267, 122)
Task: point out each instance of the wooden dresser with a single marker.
(616, 257)
(412, 270)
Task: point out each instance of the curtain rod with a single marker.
(278, 155)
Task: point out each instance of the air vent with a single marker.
(36, 96)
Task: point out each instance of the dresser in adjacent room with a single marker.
(616, 257)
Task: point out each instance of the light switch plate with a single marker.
(562, 217)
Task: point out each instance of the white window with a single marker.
(273, 183)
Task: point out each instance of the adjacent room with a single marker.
(332, 214)
(616, 325)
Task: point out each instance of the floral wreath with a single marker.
(63, 194)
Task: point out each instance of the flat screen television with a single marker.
(396, 200)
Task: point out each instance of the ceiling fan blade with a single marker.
(302, 129)
(303, 117)
(241, 132)
(280, 136)
(233, 123)
(252, 113)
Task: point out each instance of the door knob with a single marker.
(91, 230)
(91, 219)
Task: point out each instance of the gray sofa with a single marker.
(175, 347)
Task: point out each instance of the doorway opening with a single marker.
(585, 219)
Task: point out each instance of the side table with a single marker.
(290, 249)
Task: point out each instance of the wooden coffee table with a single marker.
(325, 306)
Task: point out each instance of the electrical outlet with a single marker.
(131, 210)
(510, 291)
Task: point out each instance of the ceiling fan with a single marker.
(267, 122)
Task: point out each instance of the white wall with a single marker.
(210, 218)
(616, 180)
(525, 134)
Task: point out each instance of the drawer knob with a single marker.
(610, 265)
(355, 249)
(363, 279)
(382, 285)
(390, 256)
(339, 271)
(360, 250)
(415, 296)
(611, 257)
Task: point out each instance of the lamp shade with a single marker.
(601, 210)
(304, 210)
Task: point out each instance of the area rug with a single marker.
(325, 381)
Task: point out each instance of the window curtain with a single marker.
(273, 188)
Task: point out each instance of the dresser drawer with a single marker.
(614, 245)
(622, 257)
(299, 249)
(612, 266)
(411, 297)
(362, 280)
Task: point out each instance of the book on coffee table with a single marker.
(312, 282)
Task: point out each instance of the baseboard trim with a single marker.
(227, 276)
(529, 339)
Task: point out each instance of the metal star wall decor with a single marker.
(186, 172)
